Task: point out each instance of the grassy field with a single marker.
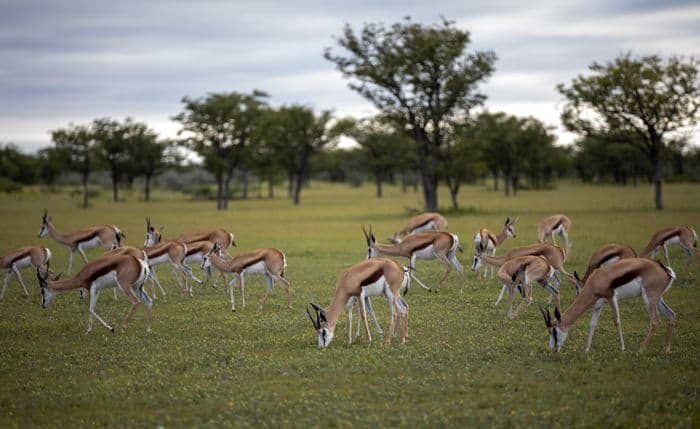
(462, 366)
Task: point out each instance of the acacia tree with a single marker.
(380, 147)
(218, 128)
(419, 76)
(649, 97)
(76, 146)
(463, 162)
(111, 148)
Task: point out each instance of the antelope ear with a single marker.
(322, 316)
(514, 276)
(557, 315)
(507, 221)
(576, 276)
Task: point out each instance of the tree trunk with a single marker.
(506, 184)
(290, 183)
(657, 162)
(244, 178)
(147, 188)
(220, 192)
(115, 188)
(270, 189)
(297, 188)
(427, 177)
(404, 182)
(495, 181)
(227, 184)
(378, 182)
(85, 190)
(516, 183)
(454, 190)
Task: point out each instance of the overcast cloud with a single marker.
(74, 61)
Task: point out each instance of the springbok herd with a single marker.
(615, 272)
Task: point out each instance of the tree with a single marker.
(462, 160)
(218, 128)
(380, 147)
(148, 156)
(421, 77)
(111, 148)
(647, 97)
(16, 166)
(76, 146)
(50, 164)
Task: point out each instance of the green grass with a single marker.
(462, 366)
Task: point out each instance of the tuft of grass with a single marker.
(463, 364)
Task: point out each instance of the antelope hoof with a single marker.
(290, 307)
(260, 308)
(111, 329)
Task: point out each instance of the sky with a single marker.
(65, 62)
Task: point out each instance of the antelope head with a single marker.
(510, 227)
(325, 335)
(556, 335)
(45, 219)
(371, 241)
(206, 258)
(46, 293)
(477, 261)
(153, 236)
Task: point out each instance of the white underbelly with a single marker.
(430, 226)
(610, 261)
(195, 257)
(376, 288)
(426, 253)
(91, 243)
(158, 259)
(632, 289)
(672, 240)
(257, 268)
(106, 280)
(23, 262)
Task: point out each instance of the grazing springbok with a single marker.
(108, 236)
(159, 250)
(269, 262)
(15, 260)
(684, 236)
(519, 274)
(627, 278)
(421, 223)
(492, 241)
(369, 277)
(423, 245)
(553, 254)
(606, 255)
(221, 236)
(123, 271)
(553, 225)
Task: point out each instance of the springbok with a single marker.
(553, 225)
(108, 236)
(553, 254)
(492, 241)
(369, 277)
(627, 278)
(605, 255)
(684, 236)
(423, 245)
(123, 271)
(519, 274)
(15, 260)
(221, 236)
(421, 223)
(269, 262)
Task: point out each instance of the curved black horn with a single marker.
(315, 322)
(547, 317)
(46, 213)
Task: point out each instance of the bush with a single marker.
(9, 186)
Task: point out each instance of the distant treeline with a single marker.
(634, 116)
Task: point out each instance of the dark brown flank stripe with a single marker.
(664, 267)
(668, 235)
(424, 223)
(626, 277)
(252, 262)
(155, 253)
(376, 275)
(422, 246)
(556, 225)
(191, 250)
(88, 236)
(21, 255)
(609, 257)
(492, 238)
